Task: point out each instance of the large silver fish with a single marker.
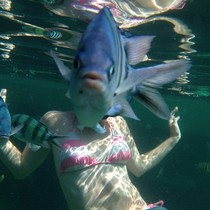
(102, 78)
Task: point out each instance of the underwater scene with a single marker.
(31, 29)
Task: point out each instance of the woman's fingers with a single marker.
(174, 111)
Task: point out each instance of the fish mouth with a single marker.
(92, 82)
(92, 76)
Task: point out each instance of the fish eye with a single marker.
(77, 64)
(111, 72)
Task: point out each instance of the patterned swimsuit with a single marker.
(87, 170)
(77, 154)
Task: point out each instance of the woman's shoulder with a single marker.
(119, 120)
(56, 113)
(52, 118)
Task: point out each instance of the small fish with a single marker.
(5, 121)
(102, 79)
(52, 34)
(33, 132)
(25, 128)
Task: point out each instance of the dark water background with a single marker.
(34, 86)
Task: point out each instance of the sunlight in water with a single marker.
(6, 49)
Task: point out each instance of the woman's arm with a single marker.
(140, 163)
(19, 163)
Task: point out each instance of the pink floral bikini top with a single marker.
(77, 154)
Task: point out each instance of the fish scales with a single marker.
(41, 133)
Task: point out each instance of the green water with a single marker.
(35, 87)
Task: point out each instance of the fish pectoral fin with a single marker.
(154, 76)
(123, 108)
(33, 147)
(64, 70)
(127, 111)
(137, 48)
(16, 129)
(167, 72)
(115, 110)
(153, 101)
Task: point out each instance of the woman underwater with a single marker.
(92, 168)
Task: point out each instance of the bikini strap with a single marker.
(115, 129)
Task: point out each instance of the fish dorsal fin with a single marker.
(64, 70)
(137, 48)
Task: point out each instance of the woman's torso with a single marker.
(92, 167)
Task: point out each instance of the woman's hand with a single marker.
(173, 125)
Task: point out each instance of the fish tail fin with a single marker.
(16, 129)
